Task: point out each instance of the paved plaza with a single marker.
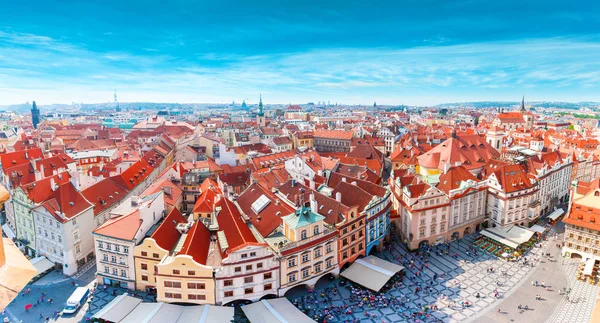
(460, 274)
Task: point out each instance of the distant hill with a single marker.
(505, 104)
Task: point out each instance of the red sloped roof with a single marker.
(67, 200)
(104, 194)
(197, 243)
(41, 190)
(20, 157)
(159, 185)
(166, 235)
(236, 230)
(333, 134)
(352, 195)
(453, 177)
(206, 201)
(512, 178)
(269, 219)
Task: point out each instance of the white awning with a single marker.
(538, 228)
(127, 309)
(511, 237)
(42, 264)
(8, 231)
(589, 267)
(556, 214)
(278, 310)
(371, 272)
(118, 308)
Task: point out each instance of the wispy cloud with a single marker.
(32, 66)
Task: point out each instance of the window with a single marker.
(328, 248)
(238, 269)
(228, 294)
(168, 283)
(155, 255)
(316, 230)
(196, 286)
(75, 235)
(113, 259)
(291, 278)
(267, 275)
(191, 273)
(100, 244)
(259, 265)
(253, 254)
(123, 273)
(305, 272)
(317, 268)
(268, 287)
(228, 282)
(176, 296)
(78, 249)
(248, 267)
(175, 271)
(115, 271)
(248, 280)
(106, 269)
(329, 262)
(176, 284)
(291, 262)
(144, 278)
(144, 266)
(303, 235)
(117, 248)
(144, 254)
(305, 258)
(125, 249)
(244, 255)
(248, 290)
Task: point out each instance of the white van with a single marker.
(77, 299)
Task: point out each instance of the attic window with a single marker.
(71, 203)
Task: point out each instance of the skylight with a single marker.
(260, 204)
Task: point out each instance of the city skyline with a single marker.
(414, 54)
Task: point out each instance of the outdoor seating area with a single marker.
(508, 244)
(588, 272)
(555, 216)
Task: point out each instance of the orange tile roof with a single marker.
(104, 194)
(123, 227)
(236, 230)
(66, 200)
(333, 134)
(41, 190)
(268, 219)
(513, 178)
(453, 177)
(20, 157)
(472, 151)
(159, 185)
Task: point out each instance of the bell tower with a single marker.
(260, 117)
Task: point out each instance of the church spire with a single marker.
(523, 104)
(260, 107)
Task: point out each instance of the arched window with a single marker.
(303, 235)
(316, 230)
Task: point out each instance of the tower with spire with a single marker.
(260, 117)
(117, 107)
(523, 105)
(35, 115)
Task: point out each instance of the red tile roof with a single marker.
(236, 230)
(41, 190)
(160, 185)
(512, 178)
(453, 177)
(472, 151)
(21, 157)
(333, 134)
(104, 194)
(68, 201)
(166, 235)
(197, 243)
(268, 219)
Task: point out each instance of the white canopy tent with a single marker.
(42, 264)
(278, 310)
(589, 267)
(127, 309)
(512, 237)
(556, 214)
(371, 272)
(538, 228)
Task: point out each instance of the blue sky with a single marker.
(411, 52)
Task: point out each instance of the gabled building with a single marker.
(64, 223)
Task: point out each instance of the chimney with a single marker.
(75, 181)
(343, 179)
(134, 200)
(314, 207)
(320, 172)
(446, 167)
(42, 171)
(53, 185)
(168, 190)
(312, 185)
(338, 197)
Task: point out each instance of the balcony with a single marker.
(294, 244)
